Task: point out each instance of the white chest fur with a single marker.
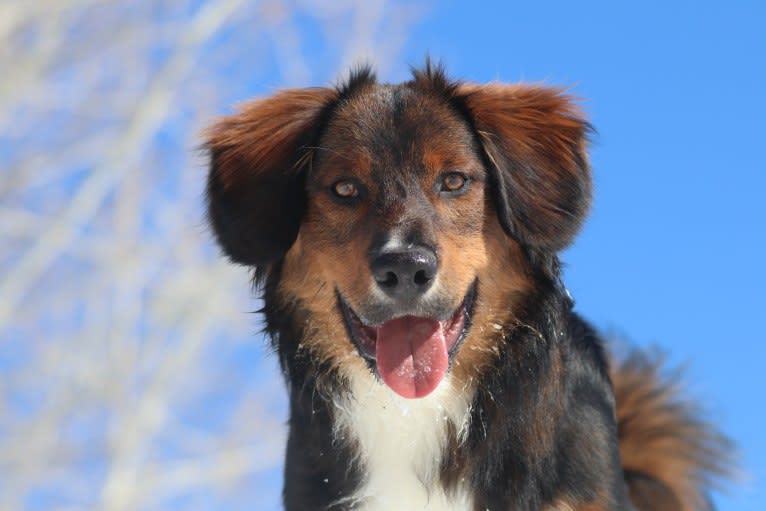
(402, 443)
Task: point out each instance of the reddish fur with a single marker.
(258, 154)
(543, 128)
(661, 437)
(267, 135)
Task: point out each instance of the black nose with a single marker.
(407, 274)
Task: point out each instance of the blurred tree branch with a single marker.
(131, 378)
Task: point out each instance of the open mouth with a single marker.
(411, 354)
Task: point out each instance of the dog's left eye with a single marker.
(453, 182)
(345, 189)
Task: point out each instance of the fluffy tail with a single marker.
(670, 457)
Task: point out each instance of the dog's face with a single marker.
(395, 226)
(402, 216)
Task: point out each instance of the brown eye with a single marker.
(453, 182)
(345, 189)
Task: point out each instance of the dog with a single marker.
(405, 240)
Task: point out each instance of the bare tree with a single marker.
(130, 373)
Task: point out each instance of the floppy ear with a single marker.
(535, 141)
(255, 188)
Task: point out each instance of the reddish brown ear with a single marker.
(535, 140)
(255, 189)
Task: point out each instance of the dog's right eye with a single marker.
(345, 189)
(453, 182)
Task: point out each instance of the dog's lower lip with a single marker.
(364, 336)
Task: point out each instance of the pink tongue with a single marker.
(411, 355)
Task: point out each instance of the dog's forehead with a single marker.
(400, 125)
(400, 104)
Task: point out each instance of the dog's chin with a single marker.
(411, 353)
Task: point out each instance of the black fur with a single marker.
(248, 224)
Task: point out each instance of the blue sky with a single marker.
(672, 255)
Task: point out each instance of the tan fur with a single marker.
(661, 436)
(309, 276)
(503, 266)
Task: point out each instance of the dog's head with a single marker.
(404, 218)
